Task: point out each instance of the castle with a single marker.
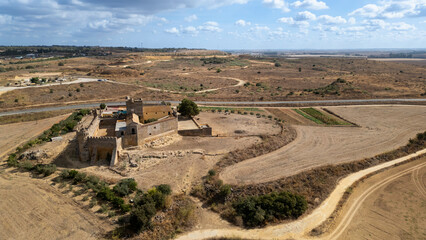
(110, 130)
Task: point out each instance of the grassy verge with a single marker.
(31, 116)
(317, 121)
(322, 117)
(313, 185)
(230, 109)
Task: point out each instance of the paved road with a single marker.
(92, 105)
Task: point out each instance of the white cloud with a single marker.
(288, 20)
(305, 16)
(374, 24)
(292, 22)
(210, 27)
(211, 23)
(330, 20)
(191, 18)
(5, 19)
(190, 30)
(172, 30)
(352, 20)
(242, 23)
(355, 29)
(310, 4)
(401, 26)
(258, 28)
(392, 9)
(279, 4)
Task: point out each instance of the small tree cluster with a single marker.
(257, 210)
(146, 206)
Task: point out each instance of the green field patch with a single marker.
(319, 117)
(317, 121)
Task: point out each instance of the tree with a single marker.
(188, 108)
(102, 106)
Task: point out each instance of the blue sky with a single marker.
(216, 24)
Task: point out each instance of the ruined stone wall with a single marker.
(103, 148)
(83, 132)
(156, 128)
(205, 132)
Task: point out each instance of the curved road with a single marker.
(92, 105)
(300, 228)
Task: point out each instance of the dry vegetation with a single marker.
(381, 129)
(26, 117)
(289, 79)
(314, 185)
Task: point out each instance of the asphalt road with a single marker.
(92, 105)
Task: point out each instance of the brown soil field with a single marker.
(382, 128)
(32, 209)
(238, 125)
(15, 134)
(290, 116)
(187, 74)
(395, 209)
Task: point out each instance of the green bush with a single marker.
(125, 186)
(165, 189)
(256, 210)
(45, 169)
(140, 217)
(12, 161)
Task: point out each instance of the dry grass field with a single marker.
(32, 209)
(15, 134)
(395, 210)
(191, 76)
(382, 128)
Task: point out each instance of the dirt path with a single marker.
(300, 228)
(383, 128)
(32, 209)
(240, 83)
(382, 201)
(15, 134)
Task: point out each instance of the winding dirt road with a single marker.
(240, 83)
(299, 229)
(383, 128)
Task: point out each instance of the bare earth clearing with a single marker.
(394, 210)
(183, 161)
(32, 209)
(383, 128)
(13, 135)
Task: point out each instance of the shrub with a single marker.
(27, 166)
(60, 64)
(140, 217)
(277, 64)
(80, 177)
(212, 172)
(12, 161)
(125, 186)
(256, 210)
(45, 169)
(102, 106)
(165, 189)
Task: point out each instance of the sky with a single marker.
(216, 24)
